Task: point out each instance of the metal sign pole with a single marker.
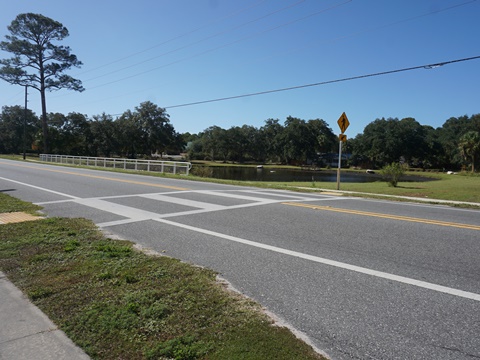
(339, 163)
(25, 125)
(343, 124)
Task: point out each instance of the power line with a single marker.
(373, 29)
(198, 41)
(427, 66)
(224, 45)
(176, 37)
(15, 98)
(271, 29)
(466, 2)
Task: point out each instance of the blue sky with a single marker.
(174, 52)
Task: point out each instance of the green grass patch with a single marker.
(459, 187)
(116, 302)
(11, 204)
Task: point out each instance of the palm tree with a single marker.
(469, 146)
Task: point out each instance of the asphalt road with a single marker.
(363, 279)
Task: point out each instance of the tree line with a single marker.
(146, 131)
(295, 142)
(455, 145)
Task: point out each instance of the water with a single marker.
(287, 175)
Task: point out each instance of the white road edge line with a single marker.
(40, 188)
(362, 270)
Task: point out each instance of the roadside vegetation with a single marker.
(392, 173)
(117, 302)
(458, 187)
(11, 204)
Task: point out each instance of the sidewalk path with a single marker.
(26, 333)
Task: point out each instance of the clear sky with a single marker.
(173, 52)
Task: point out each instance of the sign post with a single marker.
(343, 124)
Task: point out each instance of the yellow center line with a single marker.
(385, 216)
(105, 178)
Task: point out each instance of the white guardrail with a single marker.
(169, 167)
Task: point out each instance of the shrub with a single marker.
(202, 171)
(393, 172)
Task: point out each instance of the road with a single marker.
(362, 278)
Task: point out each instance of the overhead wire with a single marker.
(316, 13)
(427, 66)
(241, 25)
(236, 27)
(224, 45)
(15, 98)
(369, 30)
(200, 41)
(321, 83)
(235, 13)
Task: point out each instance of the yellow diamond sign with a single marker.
(343, 122)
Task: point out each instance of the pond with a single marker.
(287, 175)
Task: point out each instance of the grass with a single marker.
(11, 204)
(460, 187)
(118, 303)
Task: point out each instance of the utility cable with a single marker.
(337, 39)
(271, 29)
(224, 45)
(428, 66)
(175, 37)
(14, 98)
(365, 31)
(199, 41)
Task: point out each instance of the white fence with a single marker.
(169, 167)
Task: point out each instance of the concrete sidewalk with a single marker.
(26, 333)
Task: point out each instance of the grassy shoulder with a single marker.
(459, 187)
(10, 204)
(117, 302)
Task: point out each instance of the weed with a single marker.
(71, 245)
(39, 293)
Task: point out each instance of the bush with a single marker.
(202, 171)
(393, 172)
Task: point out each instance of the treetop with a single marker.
(37, 28)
